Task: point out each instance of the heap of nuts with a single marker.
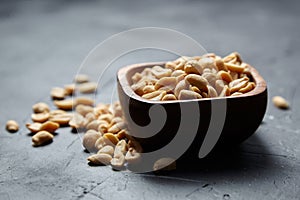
(103, 124)
(206, 76)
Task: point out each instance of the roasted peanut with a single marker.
(69, 89)
(77, 121)
(166, 83)
(280, 102)
(84, 101)
(225, 76)
(235, 67)
(118, 161)
(100, 159)
(40, 107)
(132, 156)
(121, 147)
(101, 142)
(89, 140)
(148, 89)
(84, 110)
(117, 127)
(64, 104)
(136, 77)
(107, 150)
(207, 63)
(188, 94)
(182, 85)
(49, 126)
(193, 67)
(169, 97)
(57, 93)
(41, 138)
(198, 81)
(93, 125)
(248, 87)
(40, 117)
(212, 92)
(12, 126)
(111, 137)
(34, 127)
(170, 65)
(86, 88)
(160, 72)
(81, 78)
(61, 119)
(156, 95)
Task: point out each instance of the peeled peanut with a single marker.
(170, 65)
(160, 72)
(193, 67)
(188, 94)
(49, 126)
(83, 109)
(61, 119)
(69, 89)
(156, 95)
(57, 93)
(86, 88)
(121, 147)
(169, 97)
(12, 126)
(84, 101)
(117, 127)
(40, 107)
(166, 83)
(132, 156)
(118, 161)
(198, 81)
(81, 78)
(280, 102)
(40, 117)
(212, 92)
(89, 140)
(77, 121)
(111, 137)
(148, 89)
(225, 76)
(41, 138)
(136, 77)
(100, 159)
(34, 127)
(235, 67)
(248, 87)
(64, 104)
(107, 150)
(182, 85)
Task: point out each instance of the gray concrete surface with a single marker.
(42, 43)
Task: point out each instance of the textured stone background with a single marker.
(42, 43)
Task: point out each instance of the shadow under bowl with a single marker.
(194, 127)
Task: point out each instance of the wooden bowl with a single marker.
(228, 120)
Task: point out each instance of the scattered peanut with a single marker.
(86, 88)
(49, 126)
(64, 104)
(40, 117)
(280, 102)
(100, 159)
(41, 138)
(57, 93)
(12, 126)
(40, 107)
(81, 78)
